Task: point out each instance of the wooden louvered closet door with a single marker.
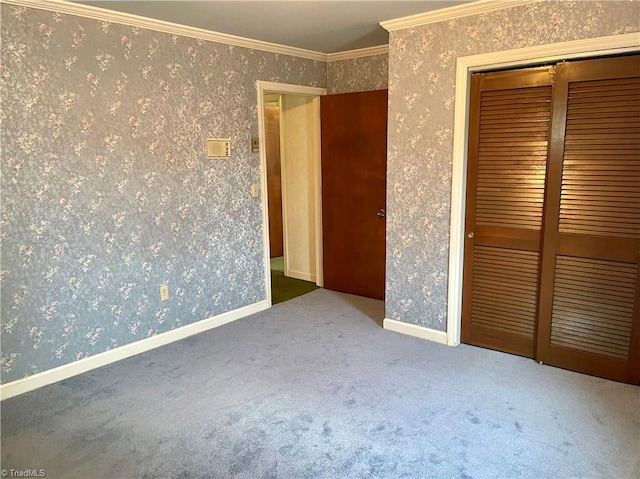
(508, 138)
(590, 296)
(569, 298)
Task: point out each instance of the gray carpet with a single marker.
(314, 388)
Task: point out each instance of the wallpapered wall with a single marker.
(421, 96)
(106, 192)
(358, 74)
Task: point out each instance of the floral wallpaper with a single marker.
(106, 192)
(421, 103)
(358, 74)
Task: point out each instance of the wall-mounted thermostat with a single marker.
(218, 147)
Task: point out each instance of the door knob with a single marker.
(470, 235)
(382, 213)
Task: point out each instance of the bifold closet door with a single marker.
(590, 298)
(508, 139)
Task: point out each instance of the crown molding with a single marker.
(359, 53)
(450, 13)
(95, 13)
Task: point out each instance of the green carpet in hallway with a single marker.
(284, 288)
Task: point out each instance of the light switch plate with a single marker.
(255, 190)
(164, 293)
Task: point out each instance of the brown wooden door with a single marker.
(554, 276)
(505, 193)
(274, 179)
(354, 168)
(590, 295)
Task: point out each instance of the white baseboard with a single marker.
(54, 375)
(300, 275)
(414, 330)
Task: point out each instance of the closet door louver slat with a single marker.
(614, 181)
(505, 194)
(505, 292)
(589, 312)
(593, 308)
(552, 253)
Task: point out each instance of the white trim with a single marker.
(300, 275)
(317, 161)
(282, 125)
(465, 66)
(450, 13)
(286, 88)
(262, 88)
(96, 13)
(312, 131)
(54, 375)
(359, 53)
(264, 196)
(415, 330)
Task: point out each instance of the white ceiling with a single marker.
(327, 26)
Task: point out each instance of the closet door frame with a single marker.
(579, 49)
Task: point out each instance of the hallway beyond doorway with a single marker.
(284, 288)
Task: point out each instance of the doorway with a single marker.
(290, 188)
(343, 193)
(286, 282)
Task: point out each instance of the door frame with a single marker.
(266, 87)
(465, 66)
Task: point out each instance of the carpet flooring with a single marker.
(277, 264)
(284, 288)
(315, 388)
